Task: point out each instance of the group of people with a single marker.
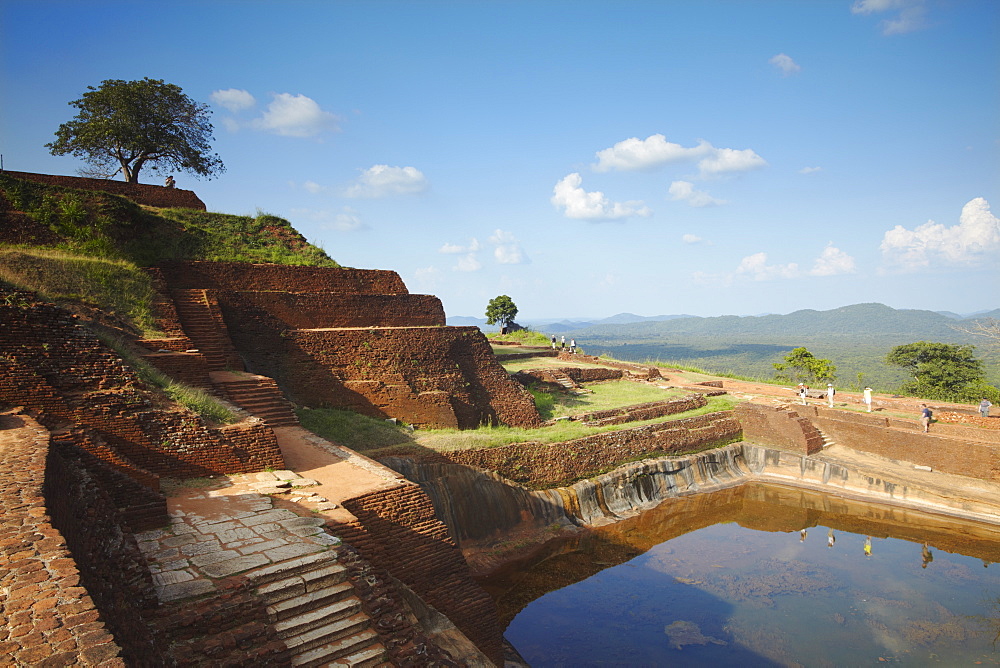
(926, 414)
(803, 392)
(572, 344)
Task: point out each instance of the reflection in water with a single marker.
(739, 577)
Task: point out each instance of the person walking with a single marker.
(830, 391)
(984, 407)
(925, 417)
(563, 341)
(572, 346)
(867, 398)
(803, 392)
(553, 342)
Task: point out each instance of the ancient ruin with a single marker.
(273, 546)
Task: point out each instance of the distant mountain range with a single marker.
(857, 319)
(566, 325)
(855, 338)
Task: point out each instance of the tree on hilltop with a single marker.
(801, 366)
(501, 311)
(133, 124)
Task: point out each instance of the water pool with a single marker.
(762, 576)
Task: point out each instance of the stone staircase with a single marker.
(564, 381)
(203, 325)
(316, 612)
(259, 396)
(827, 441)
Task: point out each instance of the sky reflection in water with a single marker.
(724, 595)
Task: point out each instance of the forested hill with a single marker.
(855, 338)
(858, 320)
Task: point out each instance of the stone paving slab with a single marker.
(232, 528)
(221, 569)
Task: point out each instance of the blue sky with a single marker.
(585, 158)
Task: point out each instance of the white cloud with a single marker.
(233, 99)
(756, 267)
(344, 220)
(833, 261)
(691, 238)
(456, 249)
(579, 203)
(725, 160)
(468, 263)
(911, 14)
(976, 236)
(636, 154)
(507, 249)
(295, 116)
(785, 64)
(313, 187)
(685, 192)
(810, 170)
(384, 181)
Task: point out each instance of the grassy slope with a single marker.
(102, 242)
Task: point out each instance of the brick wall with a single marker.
(397, 531)
(951, 449)
(245, 277)
(647, 411)
(70, 380)
(642, 370)
(899, 439)
(333, 309)
(781, 428)
(71, 575)
(540, 465)
(150, 195)
(426, 376)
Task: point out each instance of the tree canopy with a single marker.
(501, 311)
(127, 125)
(802, 366)
(940, 370)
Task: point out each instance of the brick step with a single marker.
(314, 619)
(357, 651)
(296, 605)
(291, 567)
(302, 583)
(328, 632)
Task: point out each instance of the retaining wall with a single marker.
(296, 310)
(71, 382)
(541, 465)
(150, 195)
(426, 376)
(396, 530)
(246, 277)
(956, 449)
(71, 575)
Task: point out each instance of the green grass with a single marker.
(102, 242)
(611, 394)
(193, 398)
(106, 226)
(526, 337)
(358, 432)
(117, 287)
(491, 437)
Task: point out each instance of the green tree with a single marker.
(501, 311)
(132, 124)
(801, 366)
(940, 370)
